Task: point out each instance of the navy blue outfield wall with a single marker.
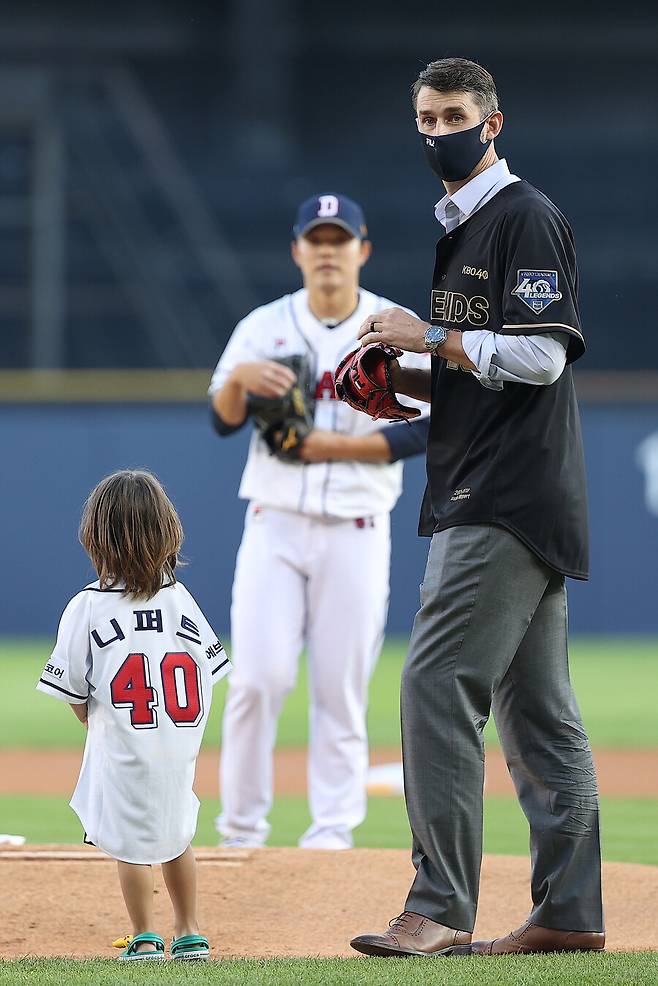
(53, 454)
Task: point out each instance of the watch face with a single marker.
(435, 336)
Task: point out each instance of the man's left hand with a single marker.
(395, 327)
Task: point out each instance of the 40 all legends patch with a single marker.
(537, 288)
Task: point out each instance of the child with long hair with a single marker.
(137, 660)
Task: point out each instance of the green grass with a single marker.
(621, 969)
(628, 825)
(616, 681)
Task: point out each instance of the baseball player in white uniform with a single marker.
(313, 566)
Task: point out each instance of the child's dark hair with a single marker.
(131, 532)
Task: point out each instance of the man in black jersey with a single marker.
(506, 509)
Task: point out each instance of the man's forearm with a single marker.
(363, 448)
(366, 448)
(331, 446)
(452, 350)
(230, 403)
(413, 382)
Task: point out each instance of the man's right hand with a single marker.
(264, 378)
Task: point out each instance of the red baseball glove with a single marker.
(363, 380)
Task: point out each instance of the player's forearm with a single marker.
(230, 402)
(331, 446)
(81, 712)
(413, 382)
(362, 448)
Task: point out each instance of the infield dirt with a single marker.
(269, 903)
(282, 902)
(622, 773)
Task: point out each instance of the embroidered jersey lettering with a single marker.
(453, 306)
(326, 387)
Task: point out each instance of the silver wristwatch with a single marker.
(435, 336)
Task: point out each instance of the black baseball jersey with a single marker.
(510, 457)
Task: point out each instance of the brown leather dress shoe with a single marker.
(414, 934)
(531, 938)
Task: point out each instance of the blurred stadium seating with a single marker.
(152, 155)
(151, 158)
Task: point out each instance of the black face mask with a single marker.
(453, 156)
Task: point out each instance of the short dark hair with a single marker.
(459, 75)
(132, 533)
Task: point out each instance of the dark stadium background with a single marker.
(151, 159)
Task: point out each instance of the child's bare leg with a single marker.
(180, 877)
(137, 888)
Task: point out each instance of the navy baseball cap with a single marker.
(330, 208)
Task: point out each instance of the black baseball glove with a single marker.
(284, 422)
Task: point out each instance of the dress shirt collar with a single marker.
(470, 196)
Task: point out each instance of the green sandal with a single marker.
(132, 955)
(190, 948)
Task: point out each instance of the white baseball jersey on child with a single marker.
(287, 327)
(146, 670)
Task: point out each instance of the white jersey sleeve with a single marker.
(248, 344)
(219, 662)
(65, 675)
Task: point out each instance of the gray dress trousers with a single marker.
(491, 633)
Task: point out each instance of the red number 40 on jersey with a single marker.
(131, 688)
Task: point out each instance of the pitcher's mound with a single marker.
(268, 903)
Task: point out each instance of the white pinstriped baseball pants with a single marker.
(303, 581)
